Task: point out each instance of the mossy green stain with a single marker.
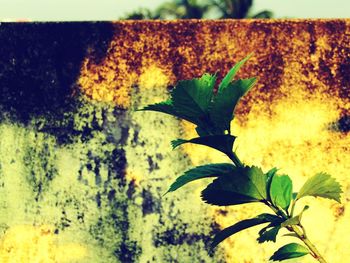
(39, 160)
(85, 193)
(35, 164)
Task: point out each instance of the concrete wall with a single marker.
(82, 175)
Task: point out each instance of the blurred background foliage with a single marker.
(193, 9)
(107, 10)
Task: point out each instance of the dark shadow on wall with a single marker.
(39, 66)
(341, 125)
(40, 63)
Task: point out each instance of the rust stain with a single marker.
(187, 49)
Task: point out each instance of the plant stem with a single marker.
(233, 156)
(292, 209)
(293, 228)
(302, 236)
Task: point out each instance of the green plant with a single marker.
(236, 183)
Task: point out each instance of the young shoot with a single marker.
(236, 183)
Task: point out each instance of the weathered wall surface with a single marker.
(82, 175)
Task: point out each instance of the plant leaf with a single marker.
(194, 100)
(167, 107)
(268, 233)
(222, 109)
(204, 171)
(201, 131)
(281, 191)
(295, 220)
(231, 74)
(190, 101)
(292, 250)
(223, 143)
(195, 94)
(245, 185)
(244, 224)
(321, 185)
(164, 107)
(270, 174)
(191, 98)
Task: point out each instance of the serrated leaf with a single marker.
(281, 191)
(204, 171)
(292, 250)
(190, 100)
(196, 93)
(164, 107)
(222, 109)
(194, 101)
(244, 224)
(167, 107)
(231, 74)
(246, 185)
(268, 233)
(223, 143)
(321, 185)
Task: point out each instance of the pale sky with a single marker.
(80, 10)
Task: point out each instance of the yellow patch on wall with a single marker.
(153, 76)
(28, 244)
(101, 83)
(134, 176)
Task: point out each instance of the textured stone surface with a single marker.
(83, 175)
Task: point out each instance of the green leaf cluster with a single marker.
(212, 112)
(234, 184)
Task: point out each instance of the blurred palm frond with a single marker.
(193, 9)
